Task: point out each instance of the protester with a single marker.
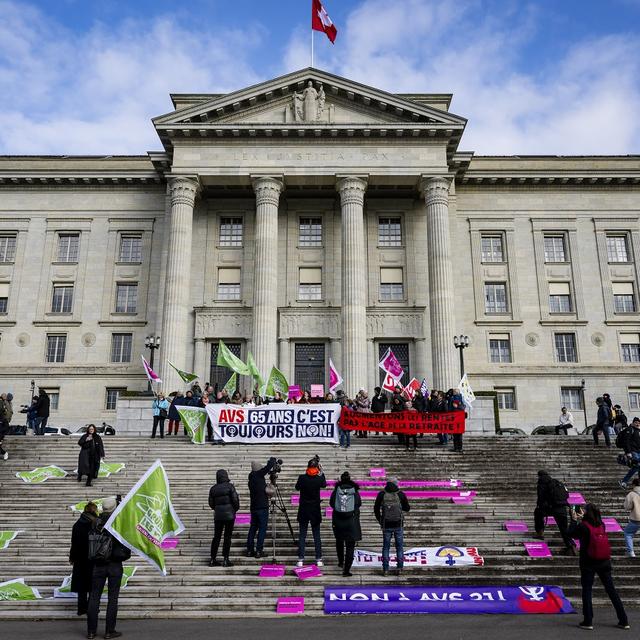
(6, 413)
(345, 434)
(32, 414)
(79, 556)
(565, 421)
(379, 401)
(345, 501)
(160, 408)
(390, 506)
(398, 404)
(363, 405)
(196, 391)
(109, 570)
(305, 398)
(595, 559)
(603, 422)
(632, 504)
(259, 507)
(552, 502)
(309, 485)
(174, 416)
(456, 403)
(328, 397)
(620, 421)
(438, 404)
(91, 454)
(629, 440)
(223, 499)
(236, 398)
(43, 409)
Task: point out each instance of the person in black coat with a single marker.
(309, 485)
(42, 414)
(91, 454)
(259, 507)
(346, 524)
(79, 556)
(223, 499)
(550, 503)
(388, 502)
(174, 416)
(379, 401)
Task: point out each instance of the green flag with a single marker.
(255, 372)
(146, 517)
(228, 360)
(231, 385)
(64, 590)
(195, 421)
(16, 589)
(6, 537)
(185, 375)
(40, 474)
(277, 382)
(107, 468)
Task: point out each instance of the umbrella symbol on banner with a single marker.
(449, 553)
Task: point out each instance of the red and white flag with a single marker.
(320, 20)
(335, 379)
(390, 383)
(410, 390)
(390, 364)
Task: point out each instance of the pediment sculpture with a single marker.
(309, 105)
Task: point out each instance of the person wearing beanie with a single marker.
(389, 509)
(259, 507)
(223, 499)
(346, 502)
(309, 484)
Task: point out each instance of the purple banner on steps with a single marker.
(472, 600)
(467, 496)
(405, 483)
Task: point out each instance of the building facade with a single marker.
(311, 217)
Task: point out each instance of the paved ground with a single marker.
(444, 627)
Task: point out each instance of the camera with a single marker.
(277, 467)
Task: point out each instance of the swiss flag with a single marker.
(320, 20)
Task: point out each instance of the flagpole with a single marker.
(312, 46)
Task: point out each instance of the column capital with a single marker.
(351, 189)
(183, 189)
(435, 189)
(267, 189)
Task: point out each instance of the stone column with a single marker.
(200, 358)
(265, 283)
(284, 361)
(354, 285)
(441, 299)
(422, 362)
(175, 315)
(372, 366)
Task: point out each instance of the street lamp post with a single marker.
(584, 404)
(152, 343)
(461, 343)
(33, 389)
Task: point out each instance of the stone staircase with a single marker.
(501, 469)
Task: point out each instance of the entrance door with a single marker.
(401, 352)
(309, 365)
(220, 375)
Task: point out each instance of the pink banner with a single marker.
(537, 549)
(390, 364)
(310, 571)
(611, 525)
(516, 526)
(272, 571)
(290, 605)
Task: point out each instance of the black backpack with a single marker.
(621, 438)
(100, 544)
(558, 493)
(391, 507)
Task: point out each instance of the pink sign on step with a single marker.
(537, 549)
(317, 391)
(328, 512)
(295, 499)
(462, 500)
(405, 483)
(378, 472)
(611, 525)
(310, 571)
(169, 543)
(516, 526)
(243, 518)
(576, 498)
(290, 605)
(272, 571)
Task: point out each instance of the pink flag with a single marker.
(151, 374)
(390, 383)
(390, 364)
(335, 379)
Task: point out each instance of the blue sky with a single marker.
(86, 76)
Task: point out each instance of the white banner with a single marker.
(446, 556)
(282, 423)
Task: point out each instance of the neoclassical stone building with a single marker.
(311, 217)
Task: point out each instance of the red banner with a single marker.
(403, 422)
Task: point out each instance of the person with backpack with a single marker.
(107, 554)
(595, 559)
(632, 505)
(345, 501)
(309, 513)
(603, 422)
(223, 499)
(390, 506)
(552, 502)
(629, 440)
(79, 556)
(620, 421)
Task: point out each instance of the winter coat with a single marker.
(346, 526)
(178, 401)
(419, 402)
(631, 440)
(223, 498)
(309, 508)
(362, 404)
(258, 485)
(119, 553)
(378, 403)
(544, 489)
(79, 554)
(632, 504)
(579, 531)
(603, 419)
(44, 403)
(91, 452)
(390, 487)
(398, 403)
(6, 410)
(160, 404)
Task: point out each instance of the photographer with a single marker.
(259, 505)
(309, 485)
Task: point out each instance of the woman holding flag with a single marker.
(160, 408)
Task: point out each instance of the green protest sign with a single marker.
(230, 361)
(64, 590)
(255, 372)
(16, 589)
(231, 385)
(195, 421)
(40, 474)
(6, 537)
(107, 468)
(277, 382)
(146, 517)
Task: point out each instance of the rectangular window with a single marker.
(495, 297)
(566, 347)
(111, 397)
(62, 299)
(492, 249)
(219, 376)
(623, 298)
(554, 250)
(121, 347)
(506, 398)
(630, 347)
(130, 248)
(559, 297)
(7, 248)
(617, 250)
(127, 298)
(68, 247)
(4, 304)
(499, 347)
(634, 398)
(310, 283)
(571, 397)
(54, 398)
(310, 232)
(229, 283)
(4, 296)
(389, 232)
(230, 232)
(56, 347)
(391, 284)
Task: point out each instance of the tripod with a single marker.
(277, 504)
